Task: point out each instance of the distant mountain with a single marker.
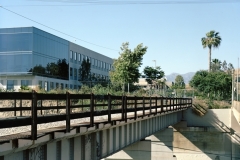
(187, 77)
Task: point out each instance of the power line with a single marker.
(57, 30)
(122, 2)
(131, 2)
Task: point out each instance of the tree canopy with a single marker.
(153, 74)
(126, 67)
(179, 83)
(57, 69)
(212, 40)
(217, 85)
(85, 70)
(218, 66)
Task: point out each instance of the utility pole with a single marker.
(237, 78)
(232, 86)
(155, 63)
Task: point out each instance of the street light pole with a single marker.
(237, 78)
(155, 63)
(232, 85)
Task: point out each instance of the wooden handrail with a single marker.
(137, 104)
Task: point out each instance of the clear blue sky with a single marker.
(172, 32)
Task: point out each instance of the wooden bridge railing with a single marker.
(41, 108)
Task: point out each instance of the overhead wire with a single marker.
(57, 30)
(144, 2)
(125, 2)
(109, 2)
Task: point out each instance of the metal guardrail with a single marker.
(82, 106)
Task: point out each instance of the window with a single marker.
(101, 64)
(66, 86)
(10, 84)
(104, 65)
(57, 85)
(71, 54)
(71, 72)
(93, 61)
(46, 86)
(61, 85)
(51, 85)
(96, 64)
(26, 82)
(75, 56)
(40, 85)
(83, 57)
(79, 57)
(89, 60)
(75, 74)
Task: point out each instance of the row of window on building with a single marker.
(78, 58)
(75, 75)
(11, 83)
(55, 85)
(41, 84)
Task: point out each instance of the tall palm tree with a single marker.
(212, 40)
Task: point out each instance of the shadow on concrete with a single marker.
(211, 136)
(138, 151)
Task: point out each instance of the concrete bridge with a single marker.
(73, 126)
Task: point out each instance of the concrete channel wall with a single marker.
(214, 136)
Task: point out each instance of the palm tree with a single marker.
(216, 65)
(212, 39)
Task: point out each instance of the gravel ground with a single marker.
(15, 130)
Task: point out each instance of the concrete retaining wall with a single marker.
(214, 136)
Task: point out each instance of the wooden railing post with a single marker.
(68, 112)
(170, 104)
(20, 107)
(92, 110)
(156, 105)
(173, 103)
(123, 99)
(143, 106)
(161, 104)
(34, 116)
(41, 108)
(109, 108)
(15, 108)
(135, 108)
(125, 108)
(150, 105)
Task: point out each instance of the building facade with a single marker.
(34, 58)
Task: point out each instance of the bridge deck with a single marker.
(24, 133)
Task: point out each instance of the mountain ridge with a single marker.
(186, 76)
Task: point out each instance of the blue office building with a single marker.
(32, 57)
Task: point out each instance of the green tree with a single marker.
(212, 40)
(63, 70)
(52, 69)
(230, 68)
(38, 70)
(85, 70)
(179, 83)
(126, 67)
(153, 74)
(216, 65)
(214, 85)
